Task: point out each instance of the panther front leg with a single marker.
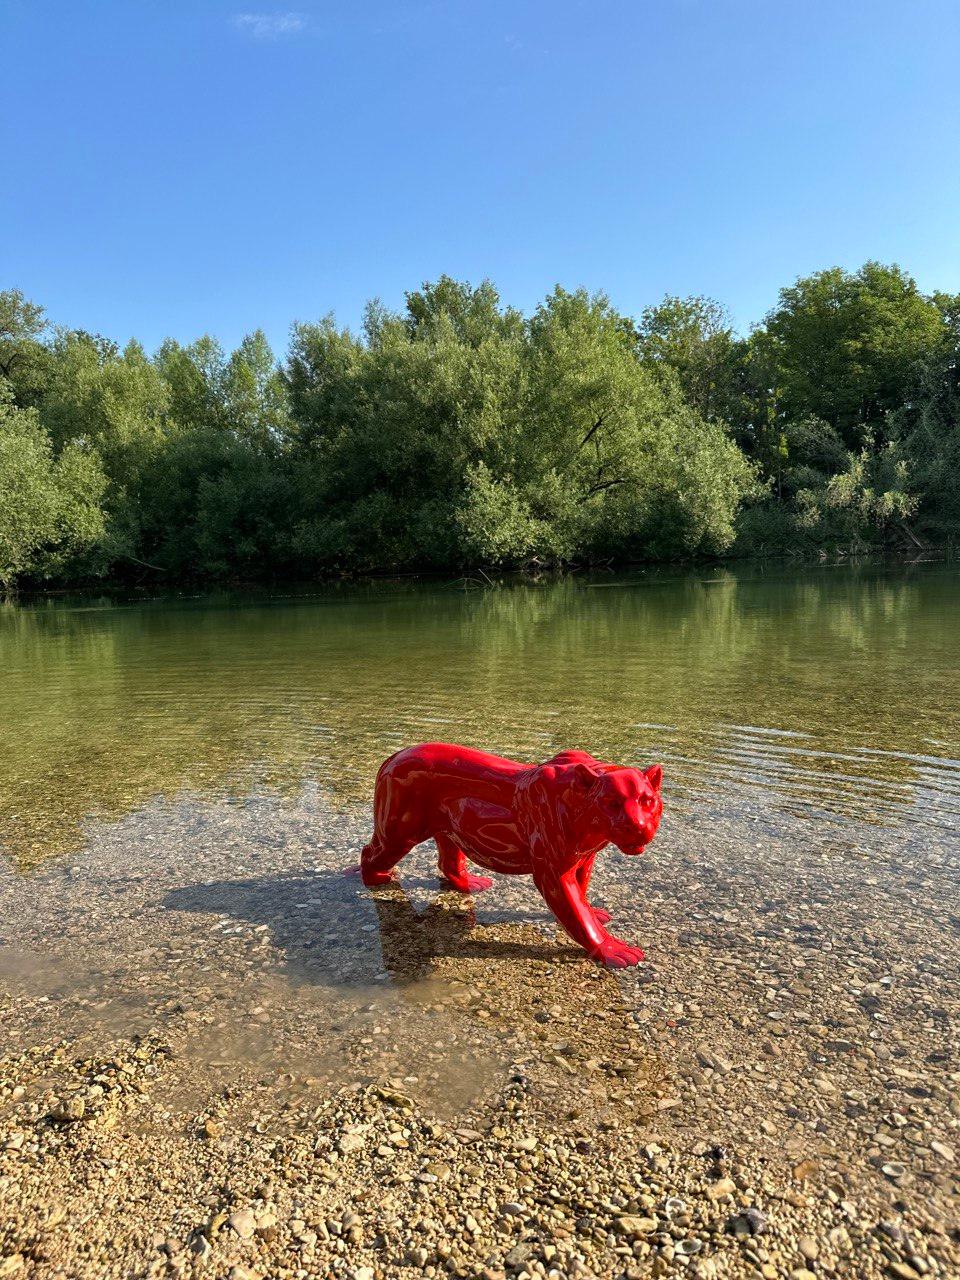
(584, 872)
(562, 893)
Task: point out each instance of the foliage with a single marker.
(459, 432)
(49, 506)
(24, 359)
(850, 347)
(694, 338)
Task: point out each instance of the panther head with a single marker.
(631, 803)
(622, 806)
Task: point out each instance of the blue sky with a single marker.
(181, 166)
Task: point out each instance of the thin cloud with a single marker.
(269, 26)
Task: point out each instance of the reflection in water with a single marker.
(832, 692)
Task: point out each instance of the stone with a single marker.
(243, 1223)
(201, 1248)
(266, 1227)
(67, 1110)
(688, 1248)
(722, 1187)
(635, 1225)
(751, 1222)
(809, 1248)
(518, 1255)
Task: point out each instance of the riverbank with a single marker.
(483, 577)
(220, 1057)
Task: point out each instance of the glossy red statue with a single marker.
(546, 820)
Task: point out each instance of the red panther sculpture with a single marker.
(546, 820)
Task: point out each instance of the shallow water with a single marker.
(833, 692)
(183, 782)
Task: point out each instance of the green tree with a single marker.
(24, 359)
(927, 428)
(631, 468)
(254, 395)
(694, 338)
(849, 348)
(117, 404)
(458, 433)
(49, 505)
(388, 429)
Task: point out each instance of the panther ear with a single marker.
(654, 775)
(583, 776)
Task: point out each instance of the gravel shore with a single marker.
(221, 1058)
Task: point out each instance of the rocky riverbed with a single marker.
(219, 1057)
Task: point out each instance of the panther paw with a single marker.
(617, 955)
(471, 884)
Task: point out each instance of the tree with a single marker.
(927, 427)
(460, 434)
(49, 506)
(694, 338)
(23, 356)
(849, 348)
(254, 395)
(473, 313)
(631, 467)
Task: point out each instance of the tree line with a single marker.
(459, 432)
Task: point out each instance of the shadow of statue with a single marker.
(324, 924)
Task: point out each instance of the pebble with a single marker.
(809, 1248)
(635, 1225)
(243, 1222)
(67, 1110)
(689, 1247)
(349, 1143)
(619, 1135)
(722, 1187)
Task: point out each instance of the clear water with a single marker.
(833, 692)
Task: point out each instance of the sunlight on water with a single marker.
(831, 691)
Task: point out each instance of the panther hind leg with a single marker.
(452, 865)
